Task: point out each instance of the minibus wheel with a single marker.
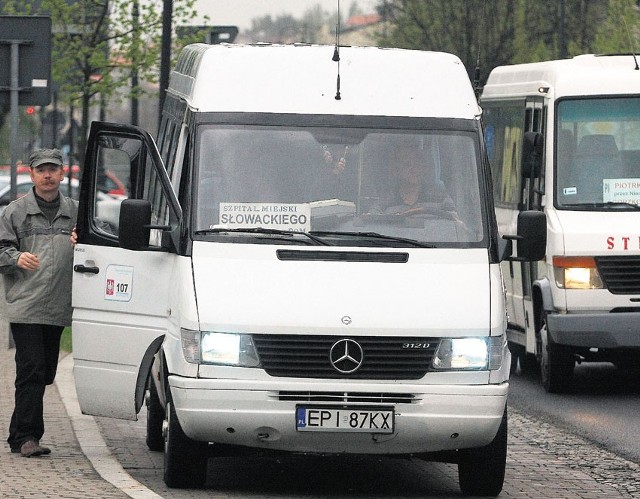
(155, 418)
(185, 460)
(481, 470)
(556, 365)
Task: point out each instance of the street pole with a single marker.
(135, 17)
(165, 54)
(15, 121)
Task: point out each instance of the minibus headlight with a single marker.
(229, 349)
(576, 272)
(475, 354)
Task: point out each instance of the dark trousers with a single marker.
(37, 350)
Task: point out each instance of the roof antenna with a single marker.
(633, 52)
(476, 73)
(336, 53)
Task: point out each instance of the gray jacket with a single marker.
(42, 296)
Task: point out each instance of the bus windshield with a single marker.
(598, 153)
(418, 185)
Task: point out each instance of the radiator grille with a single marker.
(620, 274)
(384, 358)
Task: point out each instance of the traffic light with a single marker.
(31, 110)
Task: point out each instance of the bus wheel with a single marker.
(481, 470)
(155, 418)
(556, 365)
(185, 460)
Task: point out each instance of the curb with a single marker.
(90, 439)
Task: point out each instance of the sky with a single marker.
(241, 12)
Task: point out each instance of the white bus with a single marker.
(276, 282)
(581, 119)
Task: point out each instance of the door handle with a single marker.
(85, 270)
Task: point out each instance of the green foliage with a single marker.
(66, 343)
(498, 32)
(98, 43)
(619, 32)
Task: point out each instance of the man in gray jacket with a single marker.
(36, 259)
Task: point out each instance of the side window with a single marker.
(504, 130)
(115, 158)
(132, 153)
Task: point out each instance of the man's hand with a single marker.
(28, 261)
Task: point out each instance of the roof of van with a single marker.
(587, 74)
(303, 79)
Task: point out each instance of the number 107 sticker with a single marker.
(118, 284)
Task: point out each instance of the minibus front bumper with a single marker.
(599, 330)
(257, 415)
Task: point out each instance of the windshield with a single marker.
(338, 184)
(598, 154)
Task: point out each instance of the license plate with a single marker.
(359, 420)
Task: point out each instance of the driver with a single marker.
(414, 186)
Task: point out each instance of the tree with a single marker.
(467, 28)
(499, 32)
(97, 42)
(620, 31)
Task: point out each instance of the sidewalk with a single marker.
(68, 472)
(543, 460)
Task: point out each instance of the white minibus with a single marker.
(563, 137)
(308, 262)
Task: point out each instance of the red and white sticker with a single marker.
(119, 283)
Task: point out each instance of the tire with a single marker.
(185, 460)
(481, 471)
(556, 365)
(529, 364)
(515, 350)
(155, 419)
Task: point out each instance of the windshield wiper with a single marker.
(262, 230)
(374, 235)
(602, 205)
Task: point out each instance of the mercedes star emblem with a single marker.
(346, 356)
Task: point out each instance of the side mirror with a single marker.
(134, 223)
(532, 236)
(532, 151)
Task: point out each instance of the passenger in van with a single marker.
(414, 186)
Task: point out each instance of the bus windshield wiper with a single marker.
(262, 230)
(375, 235)
(606, 204)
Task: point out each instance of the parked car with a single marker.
(24, 184)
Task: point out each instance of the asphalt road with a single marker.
(543, 459)
(603, 406)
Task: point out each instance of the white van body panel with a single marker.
(586, 74)
(118, 313)
(395, 93)
(303, 297)
(595, 233)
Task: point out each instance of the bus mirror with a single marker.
(532, 236)
(135, 217)
(532, 151)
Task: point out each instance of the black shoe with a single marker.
(31, 448)
(45, 450)
(15, 450)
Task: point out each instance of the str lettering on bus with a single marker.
(624, 243)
